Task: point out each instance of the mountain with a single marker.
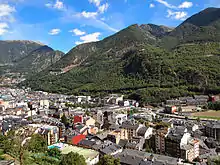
(26, 56)
(13, 50)
(138, 62)
(37, 60)
(113, 46)
(203, 26)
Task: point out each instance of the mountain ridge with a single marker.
(16, 55)
(149, 62)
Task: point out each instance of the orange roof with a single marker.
(77, 139)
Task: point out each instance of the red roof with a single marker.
(77, 139)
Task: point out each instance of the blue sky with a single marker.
(63, 24)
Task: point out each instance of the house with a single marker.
(190, 150)
(137, 143)
(128, 130)
(78, 119)
(173, 102)
(144, 132)
(120, 118)
(89, 121)
(111, 149)
(86, 143)
(76, 139)
(51, 133)
(114, 136)
(173, 140)
(123, 143)
(180, 144)
(212, 129)
(44, 103)
(134, 157)
(170, 109)
(160, 135)
(93, 130)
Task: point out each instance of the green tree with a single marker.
(54, 152)
(147, 148)
(141, 121)
(179, 109)
(108, 160)
(37, 144)
(64, 120)
(72, 159)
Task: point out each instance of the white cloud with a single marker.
(86, 14)
(6, 13)
(77, 32)
(185, 4)
(102, 19)
(178, 15)
(89, 38)
(103, 8)
(59, 5)
(54, 31)
(95, 2)
(165, 3)
(152, 5)
(3, 28)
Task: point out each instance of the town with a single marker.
(111, 127)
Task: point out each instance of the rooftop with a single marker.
(135, 157)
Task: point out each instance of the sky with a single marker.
(63, 24)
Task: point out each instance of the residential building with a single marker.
(76, 139)
(160, 135)
(144, 132)
(51, 133)
(111, 149)
(78, 119)
(173, 140)
(190, 151)
(134, 157)
(89, 121)
(120, 118)
(128, 130)
(114, 136)
(170, 109)
(212, 129)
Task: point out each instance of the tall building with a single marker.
(212, 129)
(160, 140)
(173, 140)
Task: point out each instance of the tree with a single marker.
(198, 119)
(37, 144)
(179, 109)
(147, 148)
(54, 152)
(72, 159)
(108, 160)
(64, 120)
(141, 121)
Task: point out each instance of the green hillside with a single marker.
(201, 27)
(136, 62)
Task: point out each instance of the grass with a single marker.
(211, 114)
(208, 117)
